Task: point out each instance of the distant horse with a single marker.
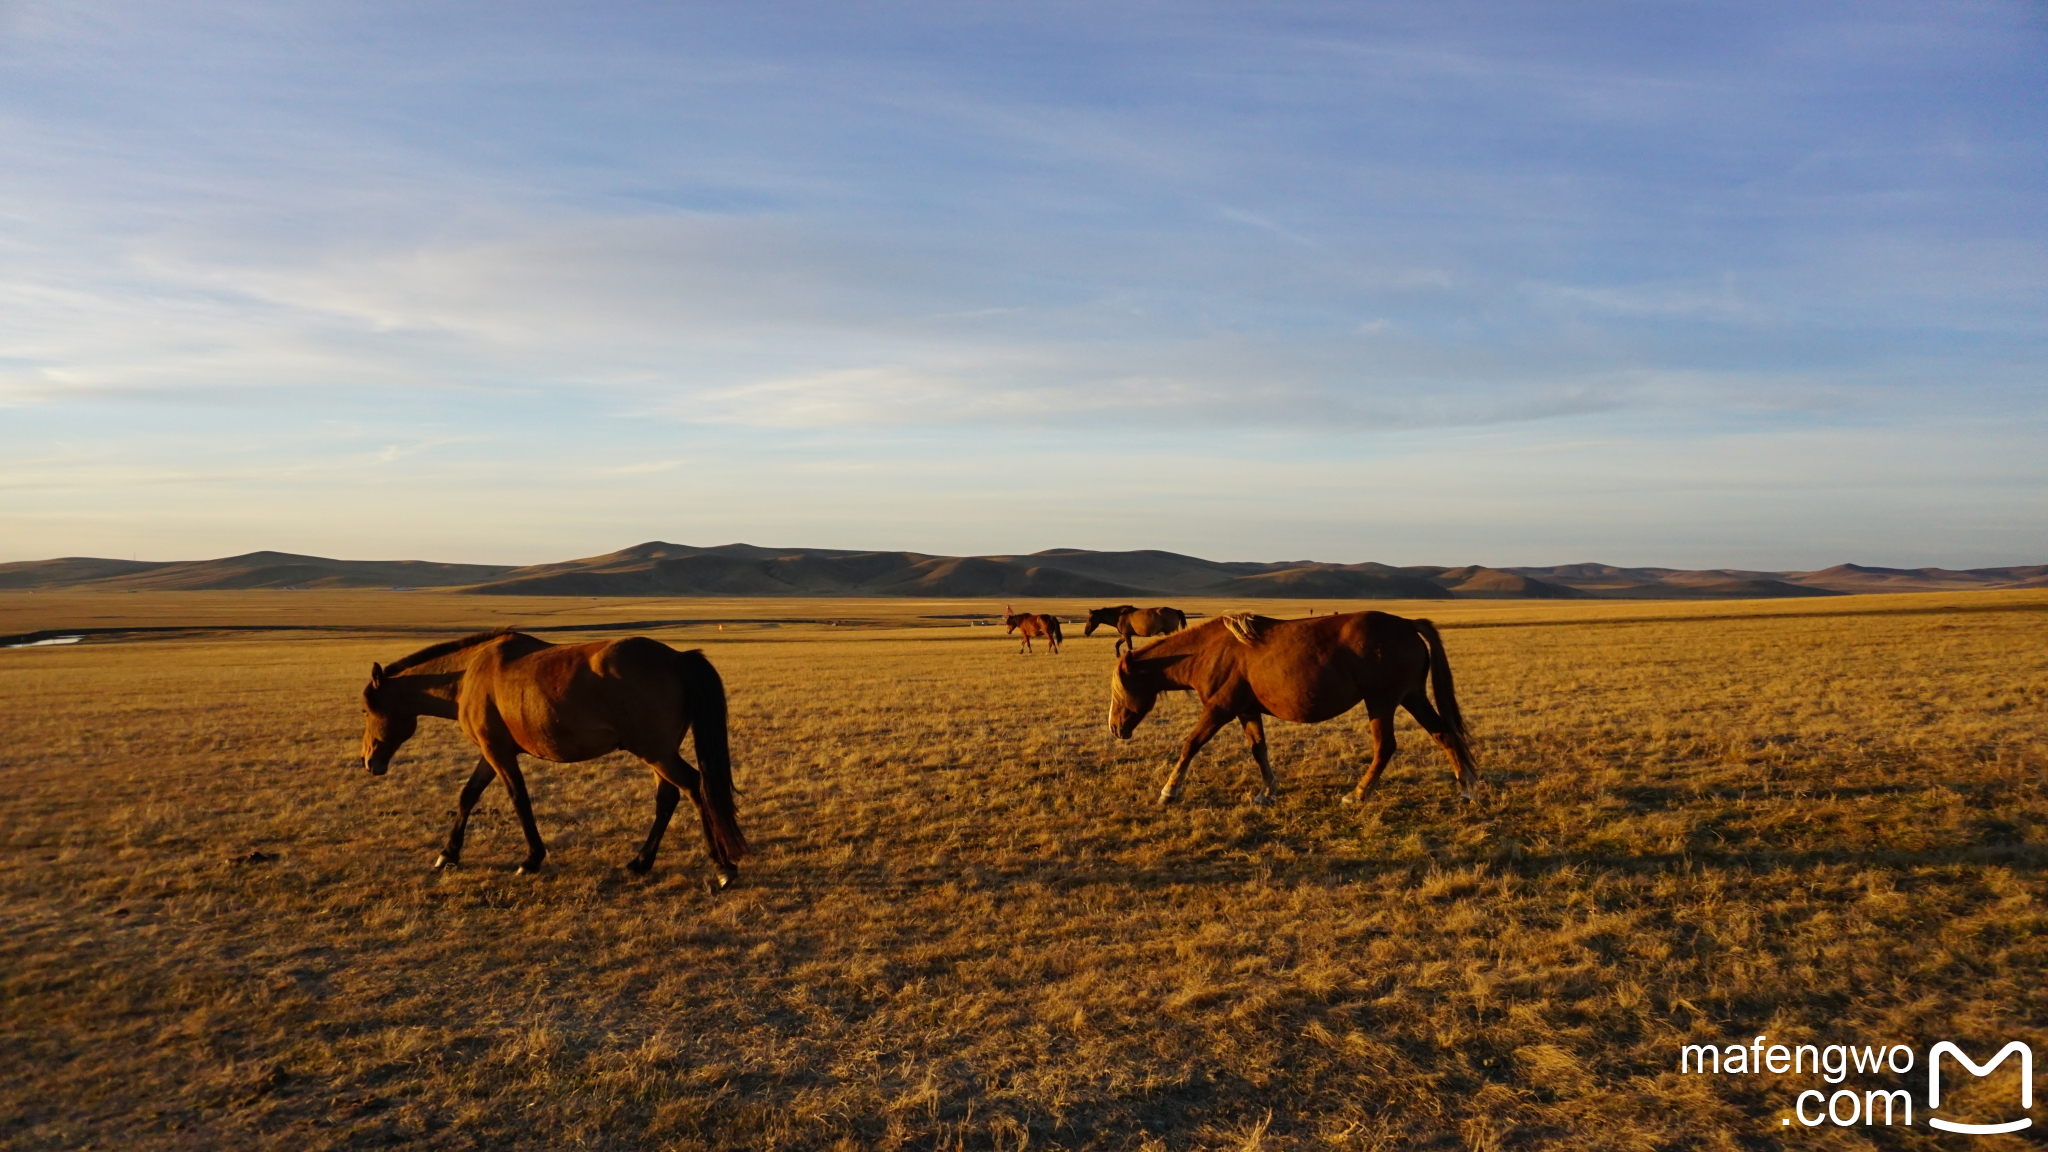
(1245, 667)
(1034, 624)
(513, 693)
(1130, 622)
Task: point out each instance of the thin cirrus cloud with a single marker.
(1341, 233)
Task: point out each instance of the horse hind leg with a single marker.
(1425, 714)
(665, 797)
(1383, 748)
(1255, 738)
(678, 773)
(479, 780)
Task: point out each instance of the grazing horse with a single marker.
(513, 693)
(1245, 667)
(1097, 617)
(1033, 624)
(1130, 622)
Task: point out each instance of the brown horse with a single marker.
(1130, 622)
(513, 693)
(1033, 624)
(1246, 667)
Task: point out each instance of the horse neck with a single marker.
(1156, 662)
(430, 689)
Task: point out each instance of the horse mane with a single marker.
(1248, 627)
(436, 651)
(1119, 696)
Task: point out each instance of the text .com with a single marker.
(1843, 1107)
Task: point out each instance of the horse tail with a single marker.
(704, 697)
(1052, 625)
(1446, 696)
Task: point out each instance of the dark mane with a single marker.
(436, 651)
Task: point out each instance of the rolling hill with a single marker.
(659, 568)
(253, 570)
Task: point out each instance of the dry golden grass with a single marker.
(967, 923)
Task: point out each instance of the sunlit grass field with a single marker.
(968, 924)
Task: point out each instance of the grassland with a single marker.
(969, 925)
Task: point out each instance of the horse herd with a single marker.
(512, 693)
(1129, 621)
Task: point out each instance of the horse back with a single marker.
(1317, 668)
(568, 702)
(1372, 636)
(1155, 621)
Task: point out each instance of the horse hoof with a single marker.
(1349, 798)
(1166, 797)
(530, 868)
(639, 867)
(444, 860)
(726, 878)
(1263, 799)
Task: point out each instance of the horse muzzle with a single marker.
(378, 765)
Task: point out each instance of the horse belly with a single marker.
(564, 744)
(565, 731)
(1307, 700)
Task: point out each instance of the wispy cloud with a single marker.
(1395, 225)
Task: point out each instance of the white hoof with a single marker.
(1263, 799)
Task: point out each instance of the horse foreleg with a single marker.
(479, 780)
(507, 765)
(665, 797)
(1255, 738)
(1382, 752)
(1211, 723)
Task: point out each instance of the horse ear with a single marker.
(376, 675)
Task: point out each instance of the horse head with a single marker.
(1097, 617)
(1128, 702)
(384, 727)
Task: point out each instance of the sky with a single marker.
(1758, 285)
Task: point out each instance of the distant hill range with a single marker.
(658, 569)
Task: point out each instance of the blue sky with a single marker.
(1758, 285)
